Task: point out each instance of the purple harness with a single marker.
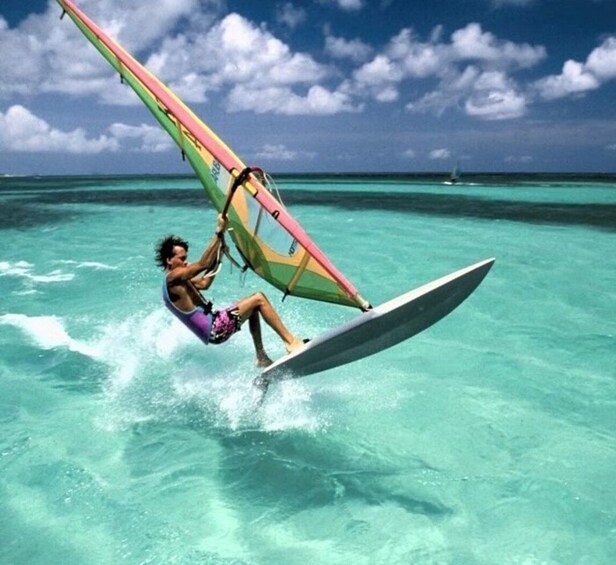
(197, 321)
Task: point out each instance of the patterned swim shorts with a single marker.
(225, 323)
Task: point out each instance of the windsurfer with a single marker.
(181, 295)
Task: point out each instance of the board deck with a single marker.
(382, 327)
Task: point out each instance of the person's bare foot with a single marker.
(296, 343)
(263, 361)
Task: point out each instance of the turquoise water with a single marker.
(489, 438)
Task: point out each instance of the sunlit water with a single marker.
(489, 438)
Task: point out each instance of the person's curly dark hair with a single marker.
(164, 249)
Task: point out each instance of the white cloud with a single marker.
(602, 60)
(496, 105)
(348, 5)
(137, 26)
(381, 69)
(354, 49)
(495, 97)
(387, 93)
(378, 79)
(573, 79)
(578, 78)
(28, 49)
(21, 130)
(194, 63)
(232, 52)
(436, 102)
(249, 69)
(489, 95)
(150, 139)
(290, 15)
(452, 91)
(409, 154)
(276, 152)
(279, 152)
(436, 58)
(282, 100)
(415, 58)
(440, 154)
(482, 89)
(46, 48)
(472, 43)
(611, 147)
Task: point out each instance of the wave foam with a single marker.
(23, 269)
(48, 332)
(89, 265)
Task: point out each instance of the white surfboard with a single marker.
(382, 327)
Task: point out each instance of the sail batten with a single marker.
(278, 249)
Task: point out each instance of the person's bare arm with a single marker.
(204, 281)
(207, 260)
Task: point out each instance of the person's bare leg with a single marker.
(254, 325)
(259, 304)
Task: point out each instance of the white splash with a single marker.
(289, 407)
(139, 341)
(48, 332)
(156, 367)
(233, 402)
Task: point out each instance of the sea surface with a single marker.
(490, 438)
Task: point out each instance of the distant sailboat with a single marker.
(455, 175)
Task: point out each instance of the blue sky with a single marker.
(318, 85)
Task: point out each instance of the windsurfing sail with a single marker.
(456, 173)
(271, 242)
